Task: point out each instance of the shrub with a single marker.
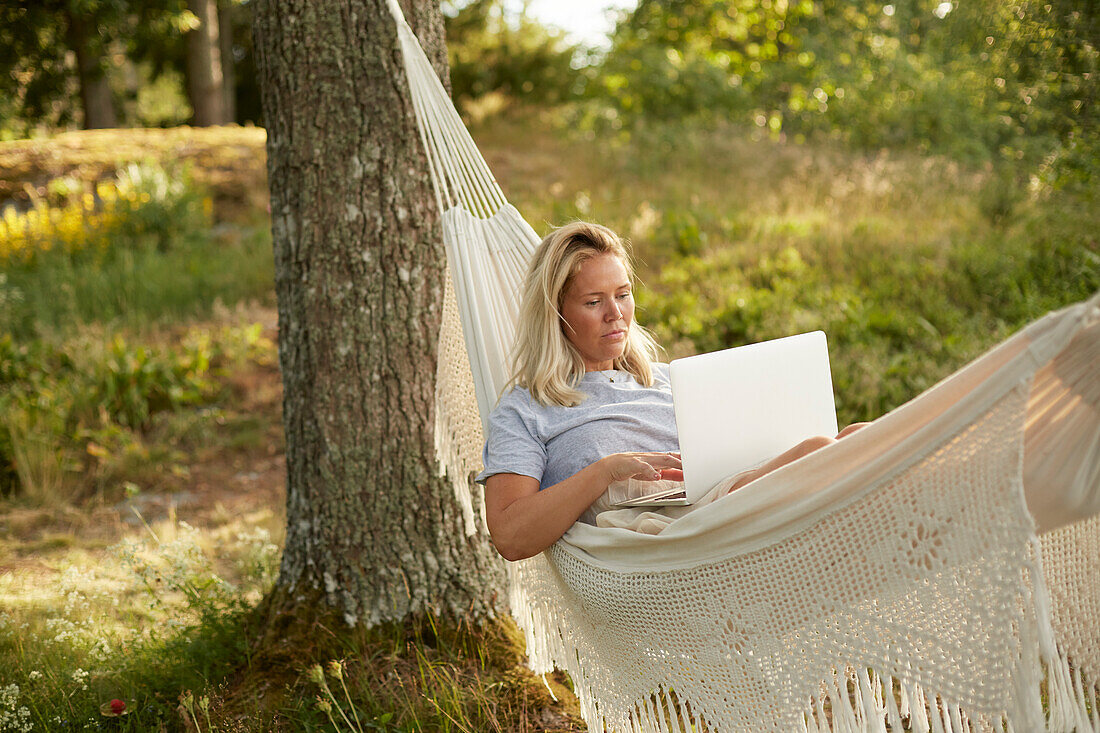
(70, 413)
(132, 383)
(897, 321)
(144, 205)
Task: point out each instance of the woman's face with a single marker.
(598, 309)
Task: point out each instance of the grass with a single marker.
(136, 250)
(228, 161)
(162, 618)
(145, 379)
(143, 289)
(154, 612)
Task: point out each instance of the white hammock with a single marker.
(896, 574)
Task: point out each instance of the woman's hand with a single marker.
(524, 521)
(641, 466)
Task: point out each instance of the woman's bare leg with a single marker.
(851, 429)
(802, 449)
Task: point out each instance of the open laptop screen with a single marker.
(740, 407)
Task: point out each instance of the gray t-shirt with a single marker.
(553, 443)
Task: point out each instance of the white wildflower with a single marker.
(9, 696)
(63, 630)
(75, 601)
(12, 715)
(101, 651)
(80, 677)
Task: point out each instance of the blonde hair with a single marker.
(543, 359)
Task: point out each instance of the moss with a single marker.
(424, 673)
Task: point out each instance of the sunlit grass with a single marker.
(754, 194)
(141, 289)
(160, 615)
(82, 626)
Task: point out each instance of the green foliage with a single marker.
(145, 206)
(38, 81)
(132, 383)
(895, 324)
(136, 46)
(72, 416)
(139, 288)
(32, 417)
(494, 50)
(136, 249)
(677, 59)
(133, 250)
(35, 83)
(912, 264)
(975, 79)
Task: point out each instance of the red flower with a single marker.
(113, 709)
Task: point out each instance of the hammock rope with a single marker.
(460, 175)
(938, 570)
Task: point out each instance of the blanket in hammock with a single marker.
(938, 570)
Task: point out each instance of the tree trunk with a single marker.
(95, 92)
(371, 526)
(226, 11)
(204, 66)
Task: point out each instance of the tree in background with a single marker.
(35, 40)
(89, 48)
(197, 39)
(684, 59)
(87, 62)
(1041, 62)
(372, 529)
(205, 74)
(227, 10)
(177, 48)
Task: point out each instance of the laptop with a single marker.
(740, 407)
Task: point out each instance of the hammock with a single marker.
(938, 570)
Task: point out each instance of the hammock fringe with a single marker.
(1072, 697)
(876, 703)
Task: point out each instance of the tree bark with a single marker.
(371, 526)
(204, 66)
(95, 92)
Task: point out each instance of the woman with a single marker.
(589, 404)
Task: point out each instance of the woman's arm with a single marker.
(524, 521)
